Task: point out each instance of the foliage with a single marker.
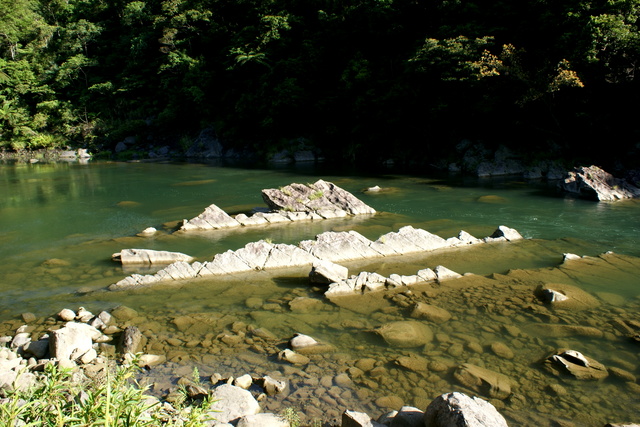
(115, 400)
(364, 80)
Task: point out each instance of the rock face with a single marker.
(329, 246)
(148, 256)
(594, 183)
(458, 409)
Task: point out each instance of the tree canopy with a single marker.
(362, 80)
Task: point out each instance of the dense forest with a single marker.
(361, 80)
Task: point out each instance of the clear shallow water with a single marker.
(60, 223)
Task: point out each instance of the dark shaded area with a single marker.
(363, 81)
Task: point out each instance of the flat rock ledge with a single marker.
(294, 202)
(329, 246)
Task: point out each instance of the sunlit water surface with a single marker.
(60, 223)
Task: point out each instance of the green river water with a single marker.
(60, 223)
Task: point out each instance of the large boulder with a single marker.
(594, 183)
(458, 409)
(405, 334)
(231, 403)
(72, 341)
(149, 256)
(319, 197)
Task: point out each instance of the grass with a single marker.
(316, 195)
(114, 400)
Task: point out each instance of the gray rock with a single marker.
(357, 419)
(231, 403)
(594, 183)
(213, 218)
(67, 314)
(458, 409)
(317, 197)
(149, 256)
(576, 364)
(38, 349)
(262, 420)
(271, 386)
(326, 272)
(72, 341)
(507, 233)
(132, 340)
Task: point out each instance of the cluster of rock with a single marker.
(294, 202)
(328, 246)
(367, 282)
(75, 344)
(594, 183)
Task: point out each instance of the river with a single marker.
(60, 223)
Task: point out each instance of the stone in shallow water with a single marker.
(501, 350)
(576, 364)
(405, 334)
(484, 381)
(430, 312)
(563, 296)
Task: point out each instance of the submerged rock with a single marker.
(484, 381)
(561, 295)
(405, 334)
(576, 364)
(594, 183)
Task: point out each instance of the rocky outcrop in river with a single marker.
(594, 183)
(294, 202)
(328, 246)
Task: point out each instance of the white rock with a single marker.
(243, 381)
(458, 409)
(302, 341)
(231, 403)
(262, 420)
(67, 315)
